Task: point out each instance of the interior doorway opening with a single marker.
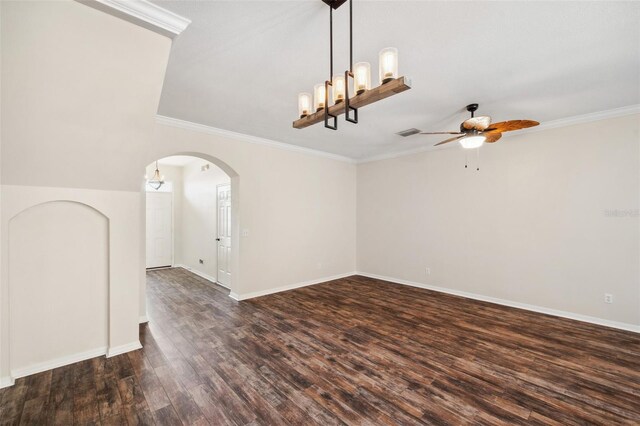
(189, 218)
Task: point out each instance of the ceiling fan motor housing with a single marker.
(471, 108)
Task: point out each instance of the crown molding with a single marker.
(201, 128)
(580, 119)
(553, 124)
(547, 125)
(144, 14)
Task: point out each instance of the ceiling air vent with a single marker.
(408, 132)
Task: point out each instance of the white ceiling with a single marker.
(240, 65)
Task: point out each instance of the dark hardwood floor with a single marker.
(354, 351)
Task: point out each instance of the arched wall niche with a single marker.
(57, 201)
(119, 211)
(235, 220)
(58, 285)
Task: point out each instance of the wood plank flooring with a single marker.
(351, 351)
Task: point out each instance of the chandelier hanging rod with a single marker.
(328, 83)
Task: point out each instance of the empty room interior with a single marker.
(319, 212)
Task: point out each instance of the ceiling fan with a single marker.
(477, 130)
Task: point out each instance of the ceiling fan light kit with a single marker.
(473, 138)
(332, 98)
(475, 131)
(471, 142)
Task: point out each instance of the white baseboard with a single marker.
(55, 363)
(254, 294)
(200, 274)
(143, 319)
(117, 350)
(533, 308)
(5, 382)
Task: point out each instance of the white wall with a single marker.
(532, 226)
(198, 228)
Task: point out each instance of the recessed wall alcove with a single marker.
(69, 283)
(58, 285)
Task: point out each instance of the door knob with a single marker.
(217, 239)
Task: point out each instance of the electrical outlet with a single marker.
(245, 232)
(201, 261)
(608, 298)
(428, 271)
(319, 265)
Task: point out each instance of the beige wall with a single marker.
(298, 209)
(533, 226)
(58, 305)
(79, 94)
(78, 99)
(80, 91)
(122, 210)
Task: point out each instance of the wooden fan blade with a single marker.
(492, 137)
(478, 123)
(441, 133)
(449, 140)
(508, 126)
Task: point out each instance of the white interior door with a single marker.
(159, 229)
(224, 234)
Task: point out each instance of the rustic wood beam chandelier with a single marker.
(332, 98)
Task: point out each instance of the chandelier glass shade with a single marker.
(304, 104)
(157, 180)
(388, 69)
(319, 96)
(338, 88)
(362, 77)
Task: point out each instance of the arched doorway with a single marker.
(190, 219)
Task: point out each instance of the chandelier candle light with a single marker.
(332, 98)
(319, 97)
(388, 64)
(304, 104)
(362, 77)
(338, 88)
